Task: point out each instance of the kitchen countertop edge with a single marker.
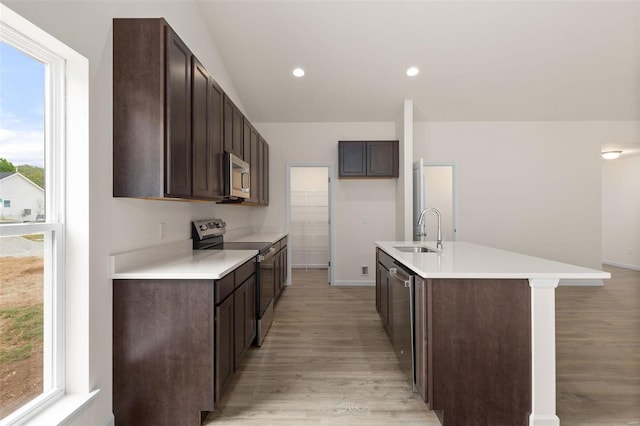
(460, 259)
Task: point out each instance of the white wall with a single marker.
(621, 212)
(123, 224)
(530, 187)
(354, 198)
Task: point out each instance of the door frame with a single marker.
(454, 188)
(331, 176)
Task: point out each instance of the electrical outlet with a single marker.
(365, 270)
(163, 231)
(364, 220)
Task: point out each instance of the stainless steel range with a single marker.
(208, 235)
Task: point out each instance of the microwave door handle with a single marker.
(245, 177)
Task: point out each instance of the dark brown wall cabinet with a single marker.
(368, 159)
(172, 122)
(207, 131)
(167, 116)
(177, 344)
(233, 129)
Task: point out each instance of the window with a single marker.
(59, 224)
(32, 255)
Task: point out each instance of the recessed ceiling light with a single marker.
(298, 72)
(413, 71)
(611, 155)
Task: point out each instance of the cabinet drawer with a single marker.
(224, 287)
(244, 272)
(283, 242)
(386, 260)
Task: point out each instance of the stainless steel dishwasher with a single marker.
(401, 286)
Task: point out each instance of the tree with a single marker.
(34, 173)
(6, 165)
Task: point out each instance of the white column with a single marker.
(543, 353)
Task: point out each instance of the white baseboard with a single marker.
(353, 283)
(309, 266)
(111, 421)
(621, 265)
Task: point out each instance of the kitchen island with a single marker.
(484, 329)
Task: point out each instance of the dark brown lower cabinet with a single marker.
(177, 343)
(225, 329)
(245, 317)
(280, 267)
(163, 351)
(472, 345)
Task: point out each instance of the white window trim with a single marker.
(69, 217)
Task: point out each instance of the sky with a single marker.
(21, 107)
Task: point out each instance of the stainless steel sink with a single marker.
(415, 249)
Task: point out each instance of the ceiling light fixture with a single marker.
(298, 72)
(611, 155)
(413, 71)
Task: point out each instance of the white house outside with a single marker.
(21, 200)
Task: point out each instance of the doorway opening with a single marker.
(309, 216)
(435, 185)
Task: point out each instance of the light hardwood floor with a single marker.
(598, 352)
(327, 360)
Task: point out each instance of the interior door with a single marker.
(418, 195)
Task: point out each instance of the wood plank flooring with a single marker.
(598, 352)
(327, 360)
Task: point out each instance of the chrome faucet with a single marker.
(423, 232)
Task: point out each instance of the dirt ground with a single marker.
(21, 282)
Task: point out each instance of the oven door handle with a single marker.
(269, 253)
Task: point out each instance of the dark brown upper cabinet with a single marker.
(172, 122)
(255, 164)
(368, 159)
(233, 129)
(263, 158)
(207, 130)
(151, 110)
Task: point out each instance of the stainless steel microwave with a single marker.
(237, 177)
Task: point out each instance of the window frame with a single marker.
(53, 227)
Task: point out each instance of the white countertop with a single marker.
(267, 237)
(466, 260)
(193, 265)
(177, 260)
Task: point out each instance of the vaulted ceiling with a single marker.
(509, 60)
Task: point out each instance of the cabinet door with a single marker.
(352, 158)
(265, 175)
(250, 312)
(240, 303)
(263, 153)
(256, 167)
(277, 274)
(224, 346)
(178, 124)
(238, 132)
(206, 134)
(382, 158)
(228, 124)
(384, 295)
(246, 140)
(420, 337)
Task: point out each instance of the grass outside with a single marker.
(21, 330)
